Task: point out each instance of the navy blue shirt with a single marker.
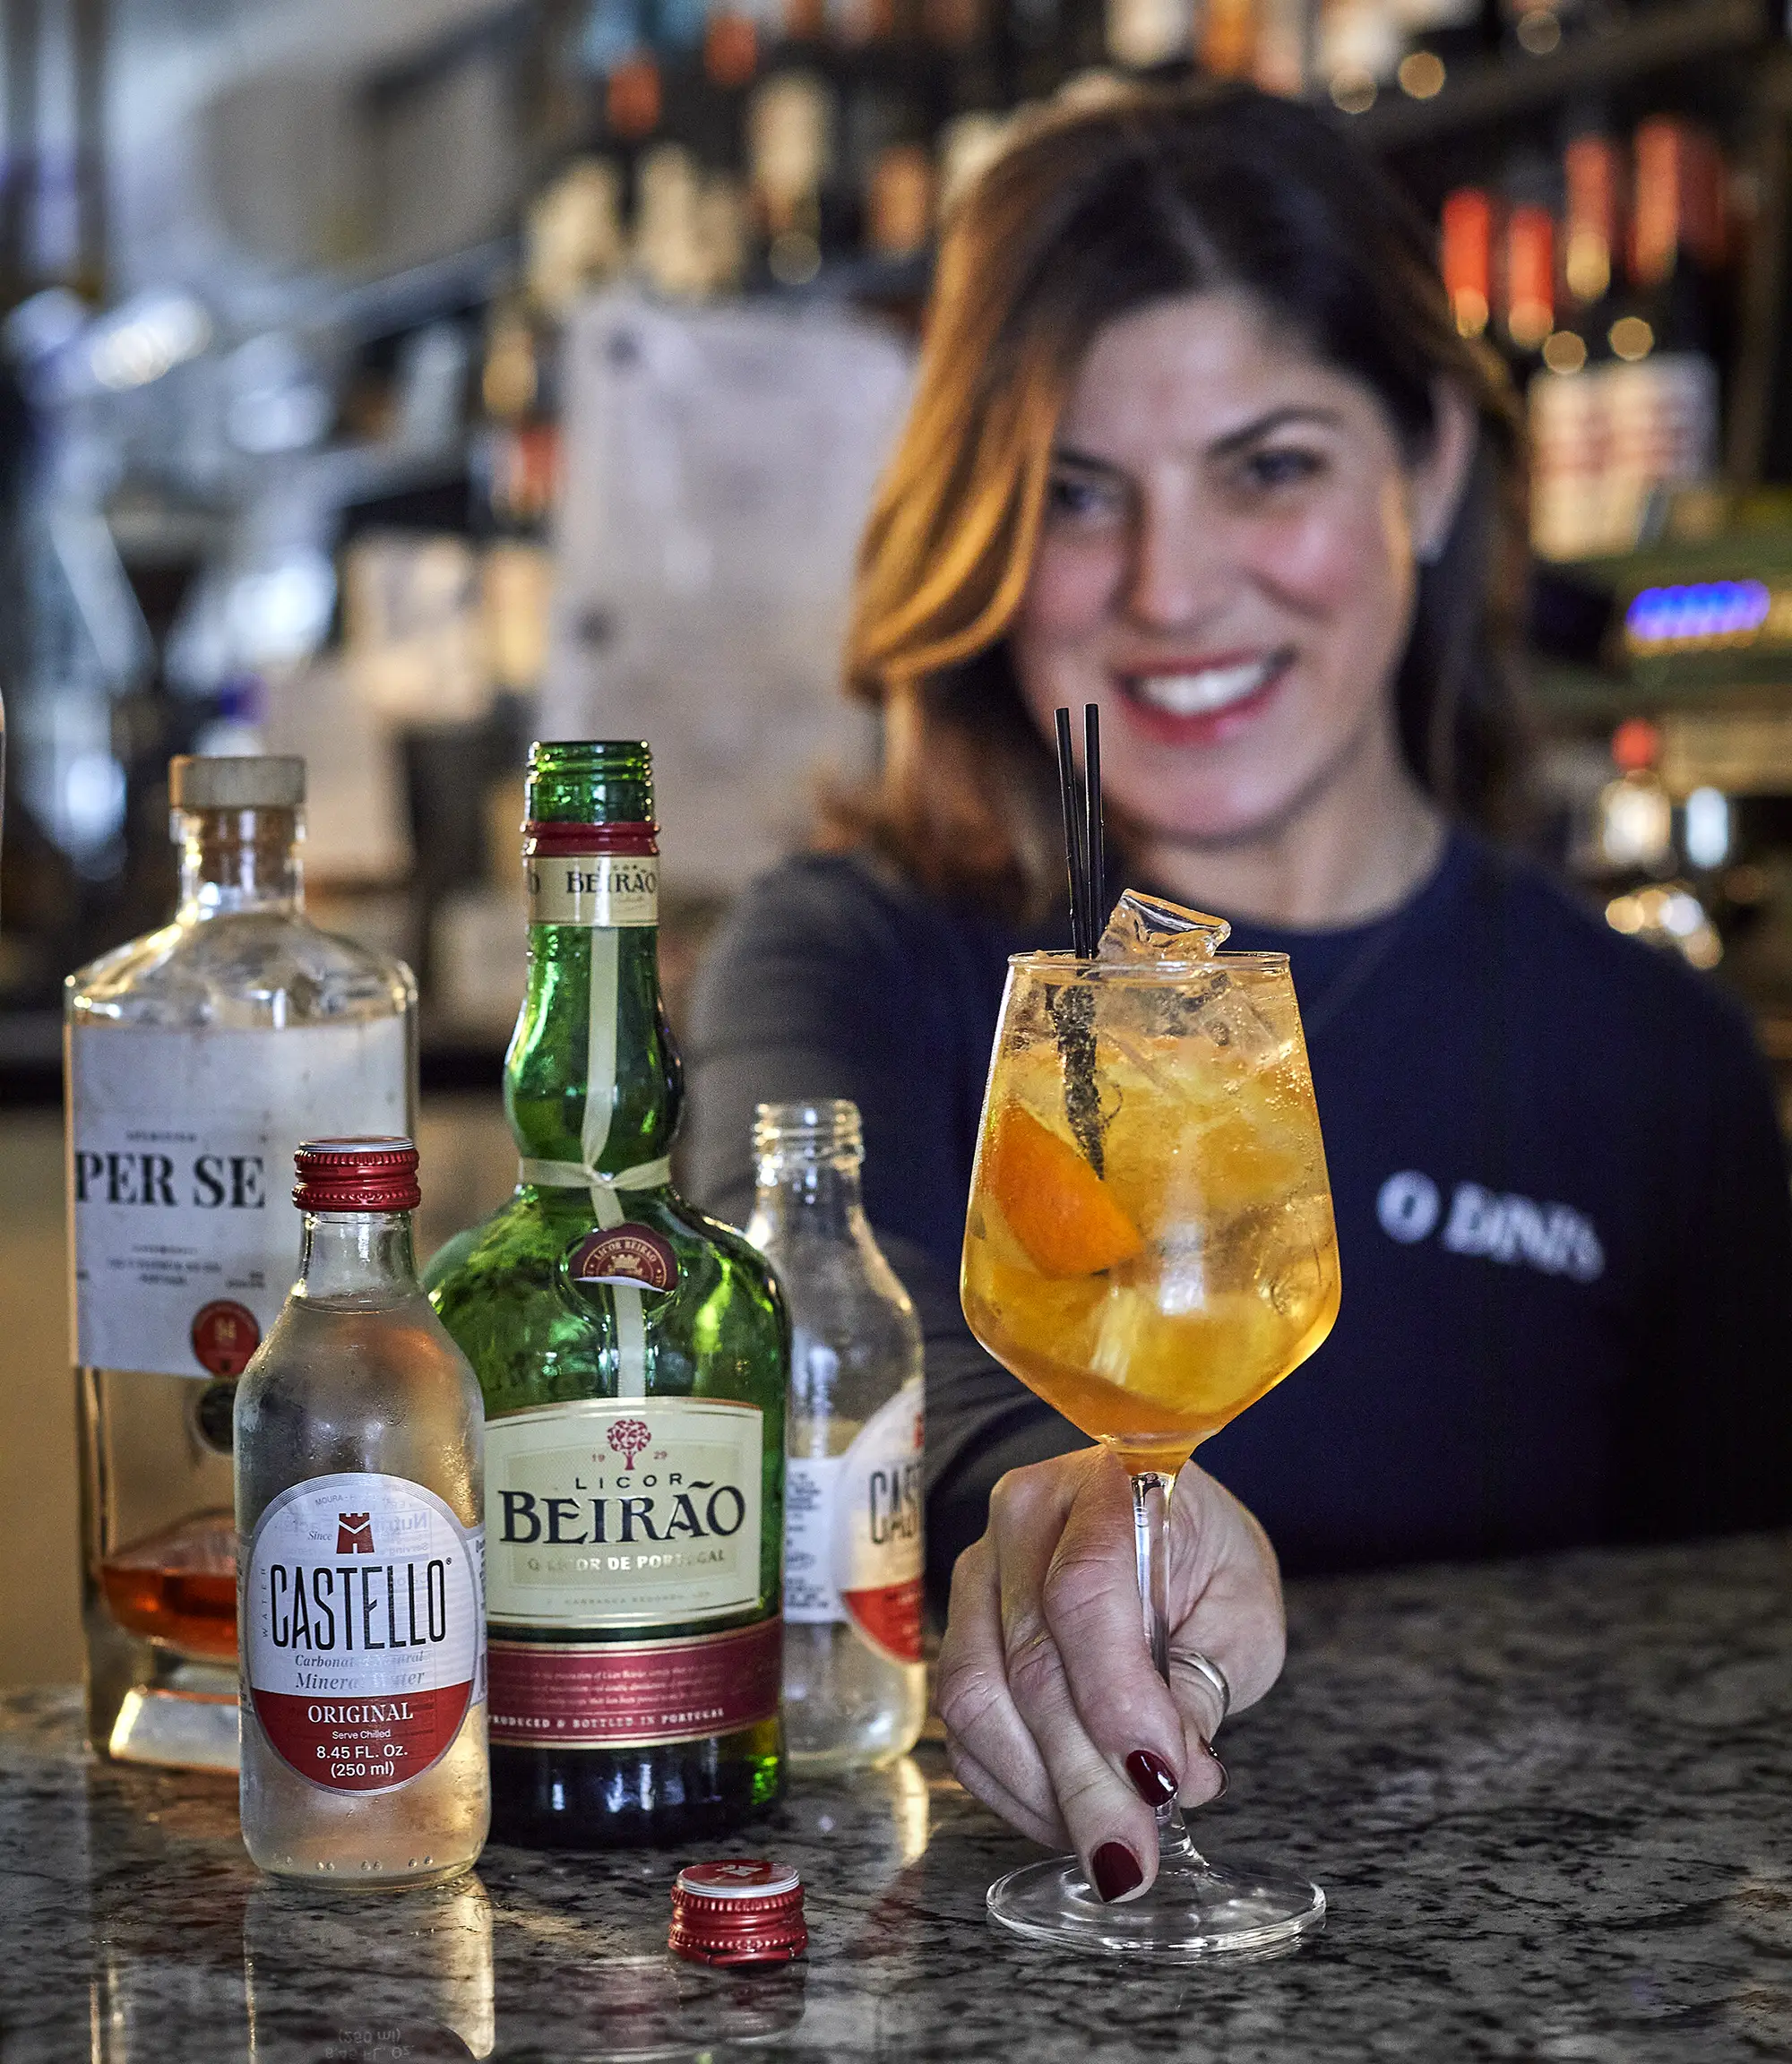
(1561, 1203)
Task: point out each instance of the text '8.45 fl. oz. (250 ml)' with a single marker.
(634, 1356)
(359, 1508)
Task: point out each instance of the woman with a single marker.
(1194, 438)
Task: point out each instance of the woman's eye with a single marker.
(1081, 500)
(1284, 467)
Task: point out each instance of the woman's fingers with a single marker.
(1056, 1716)
(974, 1702)
(999, 1799)
(1225, 1599)
(1089, 1598)
(1109, 1782)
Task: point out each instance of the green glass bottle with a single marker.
(634, 1356)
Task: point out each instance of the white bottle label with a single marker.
(852, 1531)
(632, 1512)
(600, 892)
(363, 1628)
(180, 1164)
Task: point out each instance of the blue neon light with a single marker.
(1700, 611)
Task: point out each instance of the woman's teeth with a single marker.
(1199, 694)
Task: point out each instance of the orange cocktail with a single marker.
(1151, 1301)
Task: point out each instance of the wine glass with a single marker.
(1150, 1246)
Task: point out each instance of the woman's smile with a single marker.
(1200, 701)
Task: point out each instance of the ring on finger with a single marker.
(1204, 1667)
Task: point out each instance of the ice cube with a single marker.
(1147, 928)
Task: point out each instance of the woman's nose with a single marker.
(1176, 578)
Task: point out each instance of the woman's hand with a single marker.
(1055, 1716)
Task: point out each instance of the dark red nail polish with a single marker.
(1152, 1778)
(1116, 1871)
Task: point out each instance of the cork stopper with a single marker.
(244, 781)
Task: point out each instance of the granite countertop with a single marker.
(1551, 1802)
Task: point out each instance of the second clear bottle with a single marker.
(854, 1688)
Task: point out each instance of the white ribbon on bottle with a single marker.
(605, 1188)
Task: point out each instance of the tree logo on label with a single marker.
(354, 1533)
(225, 1334)
(628, 1437)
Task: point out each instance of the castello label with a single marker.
(853, 1548)
(363, 1629)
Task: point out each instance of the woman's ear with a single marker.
(1437, 481)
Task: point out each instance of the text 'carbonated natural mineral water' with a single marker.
(855, 1690)
(359, 1467)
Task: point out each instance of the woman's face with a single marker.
(1227, 567)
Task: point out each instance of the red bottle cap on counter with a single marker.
(740, 1911)
(357, 1175)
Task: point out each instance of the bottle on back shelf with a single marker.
(1466, 258)
(1592, 249)
(1663, 390)
(197, 1058)
(854, 1688)
(634, 1356)
(1527, 302)
(1569, 401)
(360, 1505)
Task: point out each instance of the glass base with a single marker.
(1195, 1910)
(184, 1725)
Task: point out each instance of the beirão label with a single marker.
(363, 1628)
(631, 1512)
(852, 1532)
(598, 891)
(179, 1165)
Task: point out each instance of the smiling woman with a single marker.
(1194, 438)
(1181, 350)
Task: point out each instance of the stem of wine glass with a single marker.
(1150, 1537)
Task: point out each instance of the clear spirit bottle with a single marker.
(360, 1506)
(855, 1686)
(633, 1355)
(196, 1059)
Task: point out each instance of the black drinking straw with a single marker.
(1094, 851)
(1085, 855)
(1070, 791)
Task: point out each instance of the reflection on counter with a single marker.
(146, 1902)
(416, 1966)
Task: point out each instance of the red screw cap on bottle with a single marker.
(741, 1911)
(357, 1175)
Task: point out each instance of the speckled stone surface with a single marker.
(1551, 1802)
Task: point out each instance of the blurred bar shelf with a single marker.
(1507, 90)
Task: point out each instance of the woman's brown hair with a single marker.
(1094, 212)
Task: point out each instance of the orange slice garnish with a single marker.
(1056, 1205)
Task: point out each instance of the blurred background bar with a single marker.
(392, 383)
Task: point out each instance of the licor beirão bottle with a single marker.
(633, 1355)
(854, 1687)
(359, 1483)
(197, 1058)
